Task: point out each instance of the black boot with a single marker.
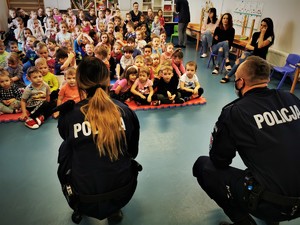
(271, 223)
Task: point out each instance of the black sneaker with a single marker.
(179, 100)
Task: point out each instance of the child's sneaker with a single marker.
(179, 100)
(31, 123)
(186, 99)
(155, 103)
(216, 70)
(40, 120)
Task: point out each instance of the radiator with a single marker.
(276, 57)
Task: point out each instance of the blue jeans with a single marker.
(235, 66)
(206, 39)
(221, 54)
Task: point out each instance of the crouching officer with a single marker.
(97, 170)
(263, 126)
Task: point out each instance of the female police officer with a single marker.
(100, 140)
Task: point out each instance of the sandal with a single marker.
(227, 66)
(224, 80)
(216, 70)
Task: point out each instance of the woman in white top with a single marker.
(208, 30)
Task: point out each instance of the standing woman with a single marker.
(100, 140)
(222, 41)
(258, 45)
(182, 7)
(135, 14)
(208, 30)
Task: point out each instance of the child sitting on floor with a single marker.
(188, 84)
(142, 89)
(48, 77)
(167, 91)
(69, 91)
(10, 95)
(177, 62)
(15, 69)
(121, 88)
(35, 100)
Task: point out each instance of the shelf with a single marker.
(251, 14)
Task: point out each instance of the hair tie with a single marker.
(91, 91)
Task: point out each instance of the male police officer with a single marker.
(263, 126)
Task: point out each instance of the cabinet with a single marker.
(61, 5)
(167, 6)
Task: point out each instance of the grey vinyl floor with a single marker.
(167, 193)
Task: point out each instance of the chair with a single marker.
(175, 34)
(288, 69)
(212, 58)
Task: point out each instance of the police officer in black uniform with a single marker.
(97, 169)
(263, 126)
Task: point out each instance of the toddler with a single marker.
(130, 30)
(10, 95)
(121, 88)
(156, 27)
(167, 55)
(188, 84)
(63, 61)
(63, 34)
(69, 91)
(127, 58)
(142, 89)
(35, 100)
(140, 39)
(131, 42)
(19, 35)
(51, 30)
(177, 62)
(156, 45)
(15, 69)
(167, 91)
(155, 64)
(48, 77)
(52, 47)
(37, 30)
(13, 47)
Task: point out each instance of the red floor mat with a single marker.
(196, 101)
(5, 118)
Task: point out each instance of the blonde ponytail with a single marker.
(105, 119)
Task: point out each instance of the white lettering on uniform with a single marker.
(259, 119)
(84, 127)
(77, 128)
(284, 111)
(283, 115)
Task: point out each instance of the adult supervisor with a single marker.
(183, 10)
(100, 140)
(263, 127)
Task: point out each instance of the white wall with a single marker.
(3, 15)
(285, 15)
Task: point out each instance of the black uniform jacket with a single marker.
(92, 174)
(264, 128)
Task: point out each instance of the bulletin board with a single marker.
(253, 10)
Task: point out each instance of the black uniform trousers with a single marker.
(226, 188)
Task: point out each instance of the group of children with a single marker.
(38, 72)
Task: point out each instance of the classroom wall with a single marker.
(285, 15)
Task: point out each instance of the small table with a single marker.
(239, 44)
(196, 28)
(296, 75)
